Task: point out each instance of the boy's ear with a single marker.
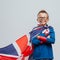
(37, 19)
(47, 20)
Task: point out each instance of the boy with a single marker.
(42, 37)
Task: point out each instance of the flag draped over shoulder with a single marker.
(14, 50)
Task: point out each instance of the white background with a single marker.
(18, 17)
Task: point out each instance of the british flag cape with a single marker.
(14, 50)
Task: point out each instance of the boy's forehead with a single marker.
(42, 15)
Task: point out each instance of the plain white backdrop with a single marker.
(18, 17)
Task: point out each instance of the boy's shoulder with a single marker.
(51, 27)
(36, 27)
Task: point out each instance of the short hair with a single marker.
(43, 11)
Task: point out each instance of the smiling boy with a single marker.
(42, 37)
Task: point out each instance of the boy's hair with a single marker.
(43, 11)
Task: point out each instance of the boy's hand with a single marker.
(38, 37)
(41, 38)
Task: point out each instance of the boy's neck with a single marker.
(42, 25)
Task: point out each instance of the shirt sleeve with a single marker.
(52, 36)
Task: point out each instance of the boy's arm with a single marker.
(34, 39)
(51, 39)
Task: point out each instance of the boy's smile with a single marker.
(42, 18)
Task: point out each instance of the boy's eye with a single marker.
(41, 18)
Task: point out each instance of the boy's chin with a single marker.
(42, 23)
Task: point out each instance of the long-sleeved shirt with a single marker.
(43, 45)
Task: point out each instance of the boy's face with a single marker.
(42, 18)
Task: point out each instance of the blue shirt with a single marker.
(43, 50)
